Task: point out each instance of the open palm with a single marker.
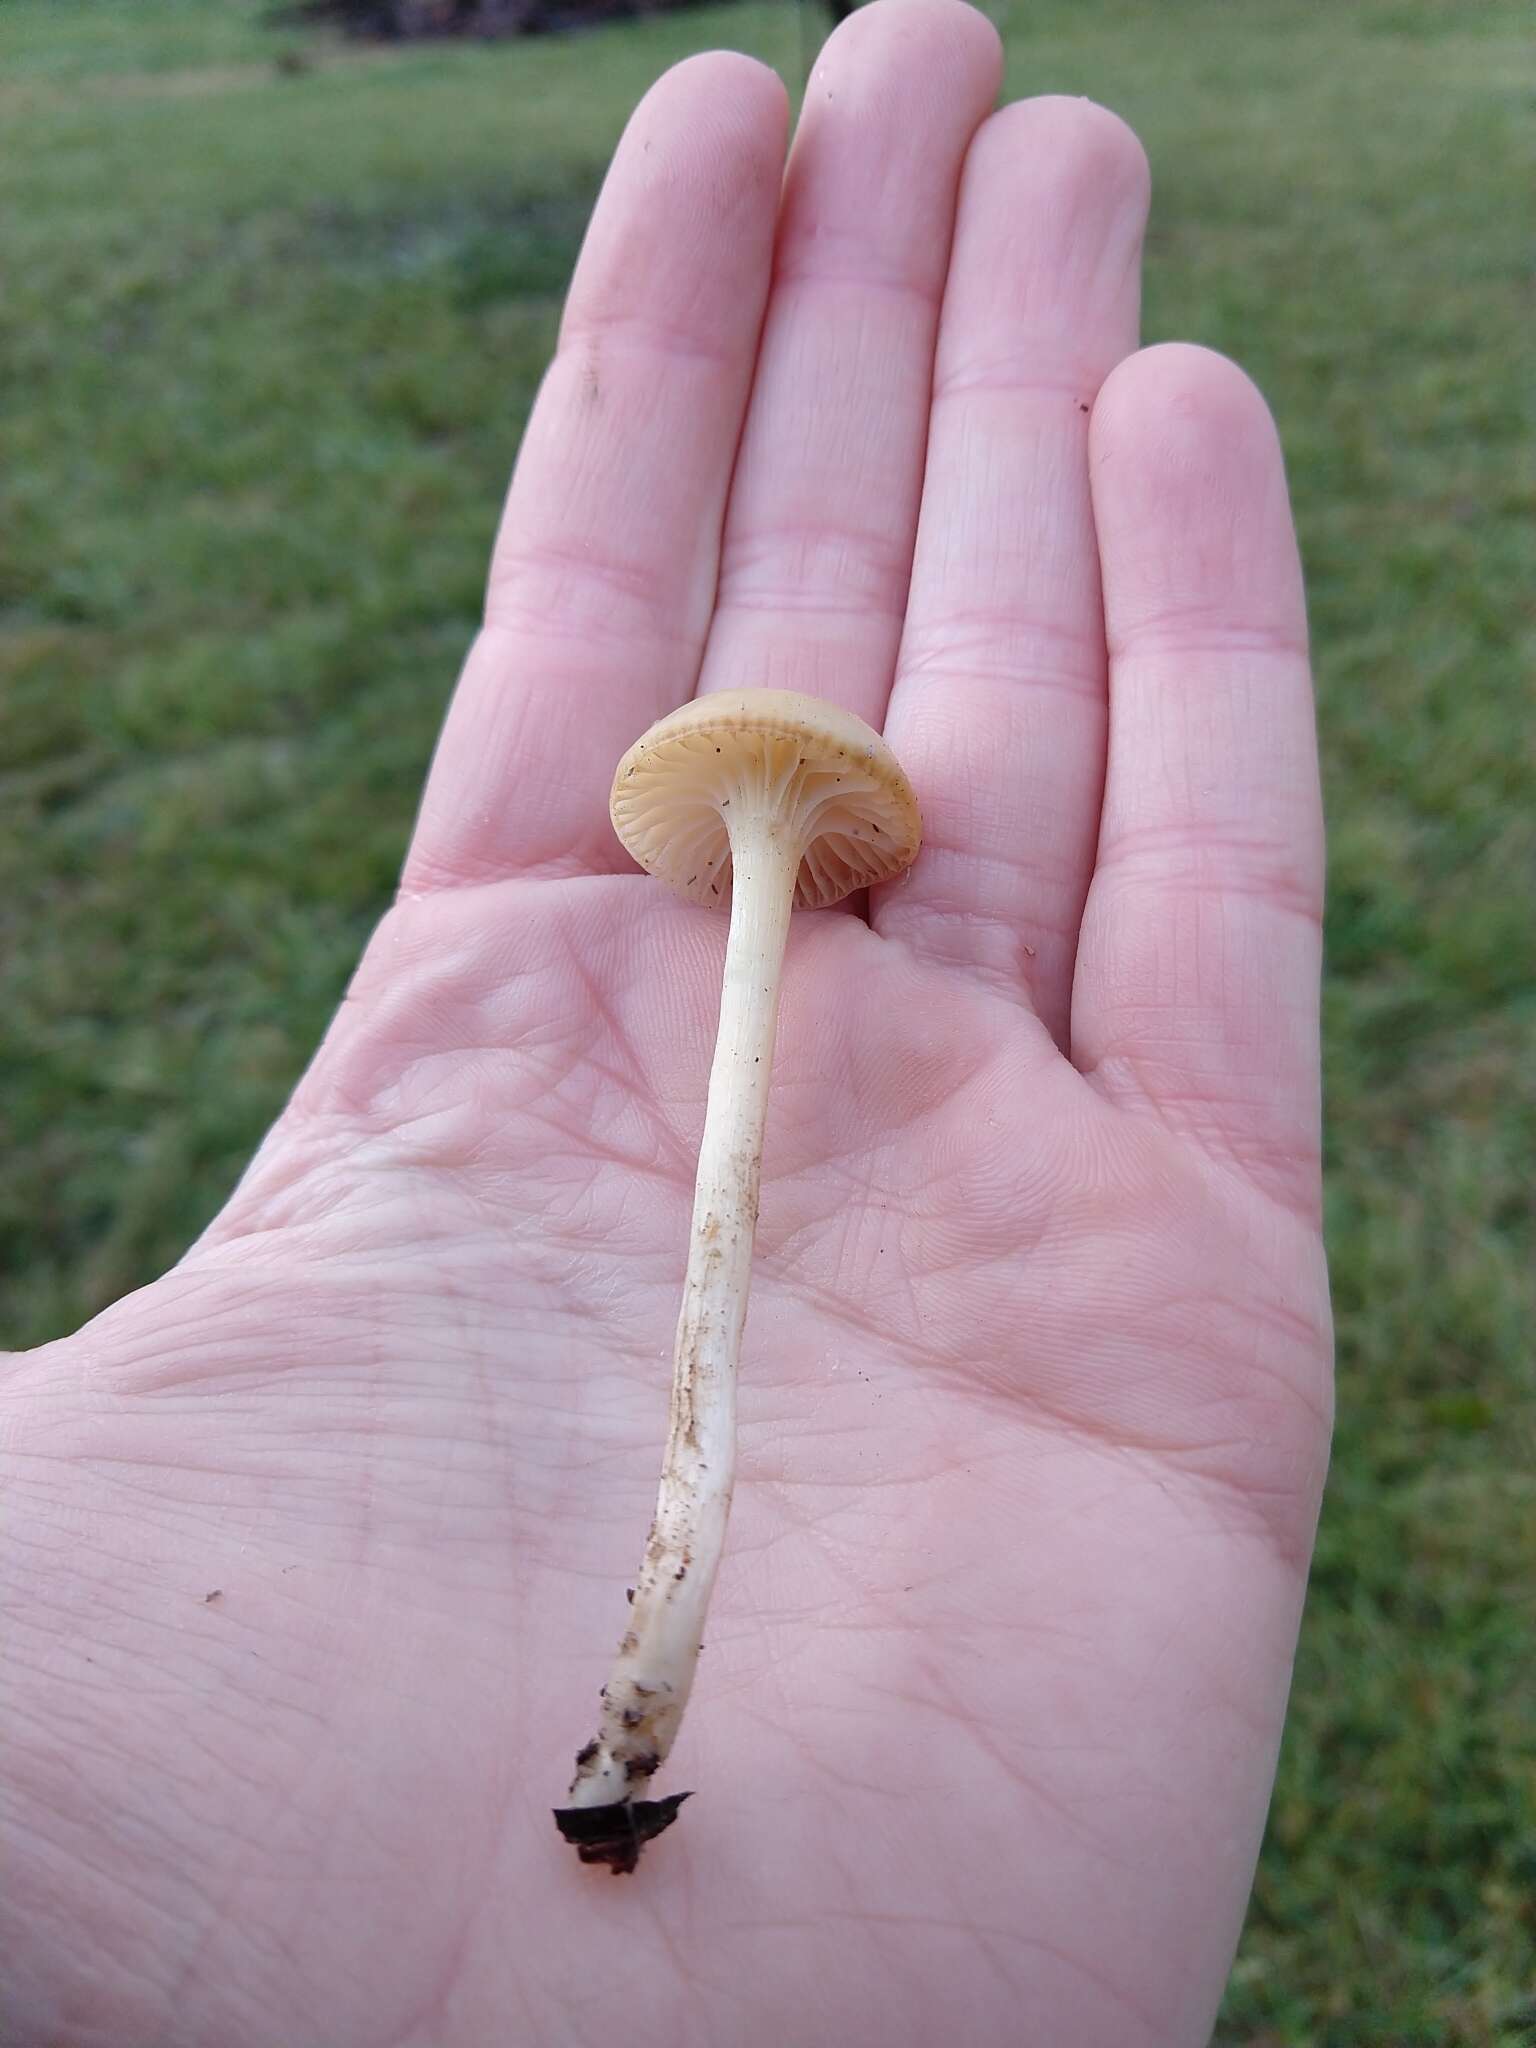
(319, 1545)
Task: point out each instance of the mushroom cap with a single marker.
(828, 776)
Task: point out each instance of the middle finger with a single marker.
(823, 509)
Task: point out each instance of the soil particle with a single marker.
(615, 1835)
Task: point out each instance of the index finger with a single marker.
(603, 577)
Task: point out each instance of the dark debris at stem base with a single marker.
(616, 1834)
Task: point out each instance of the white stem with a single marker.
(652, 1676)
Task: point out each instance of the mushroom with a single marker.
(768, 800)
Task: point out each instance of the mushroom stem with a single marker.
(652, 1676)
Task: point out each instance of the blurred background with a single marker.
(275, 304)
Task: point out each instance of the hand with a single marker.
(318, 1546)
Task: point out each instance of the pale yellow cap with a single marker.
(832, 777)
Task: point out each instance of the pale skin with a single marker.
(1034, 1406)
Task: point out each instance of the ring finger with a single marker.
(999, 709)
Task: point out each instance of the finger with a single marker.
(1197, 984)
(604, 570)
(818, 539)
(999, 706)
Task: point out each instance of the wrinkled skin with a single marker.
(316, 1549)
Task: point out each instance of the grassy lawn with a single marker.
(266, 345)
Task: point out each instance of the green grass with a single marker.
(266, 345)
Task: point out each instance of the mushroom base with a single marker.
(615, 1835)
